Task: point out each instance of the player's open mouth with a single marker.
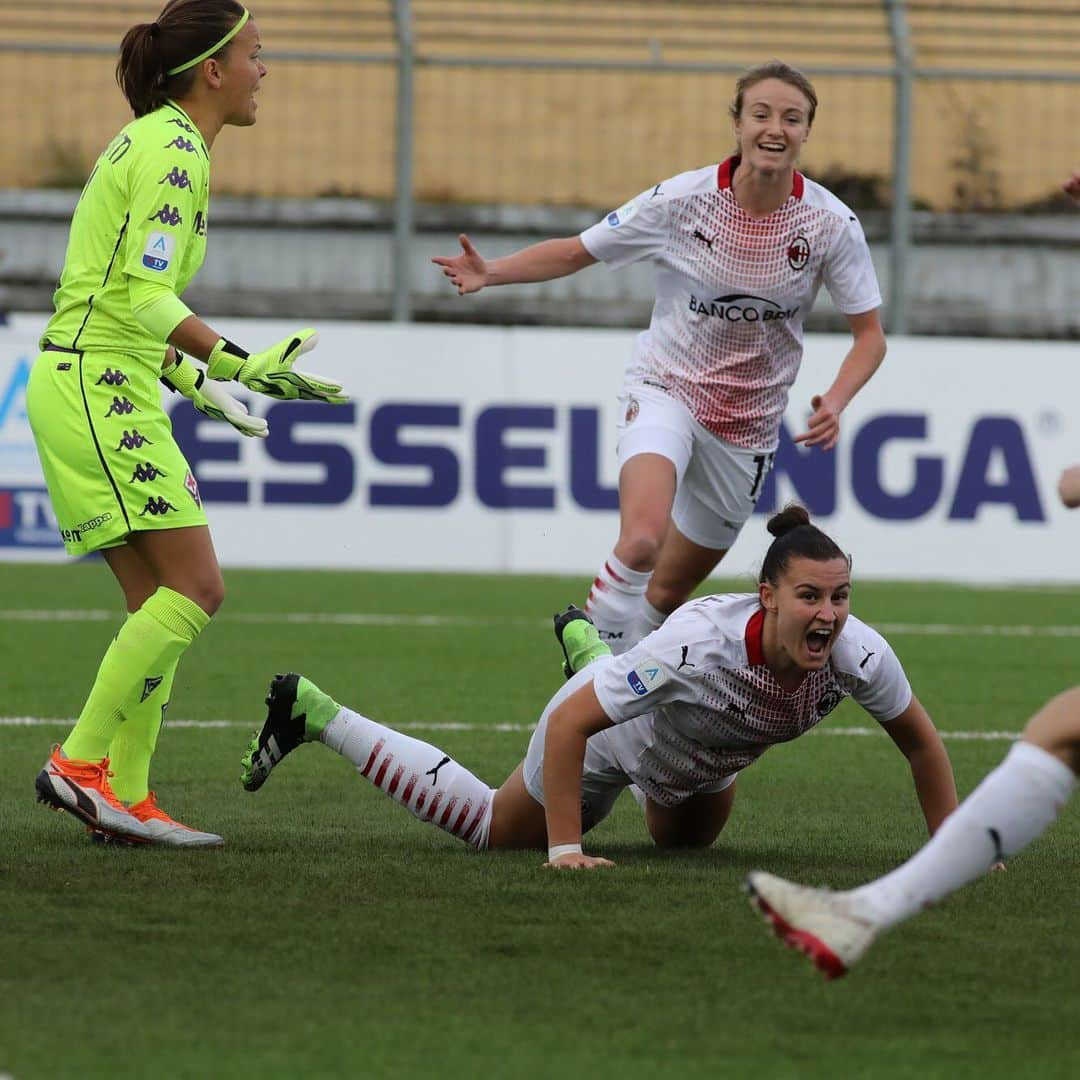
(772, 148)
(817, 641)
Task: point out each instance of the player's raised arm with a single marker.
(470, 272)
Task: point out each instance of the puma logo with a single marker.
(434, 773)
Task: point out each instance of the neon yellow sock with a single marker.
(152, 639)
(134, 744)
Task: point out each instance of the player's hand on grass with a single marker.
(578, 861)
(271, 371)
(823, 427)
(183, 377)
(467, 271)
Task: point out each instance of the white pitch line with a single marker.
(364, 618)
(453, 725)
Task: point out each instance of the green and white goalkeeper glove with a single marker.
(185, 378)
(271, 371)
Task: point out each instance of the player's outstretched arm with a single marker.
(470, 272)
(568, 729)
(863, 359)
(918, 740)
(269, 372)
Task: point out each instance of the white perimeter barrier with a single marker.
(469, 448)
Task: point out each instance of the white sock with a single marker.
(1009, 809)
(647, 620)
(613, 602)
(427, 782)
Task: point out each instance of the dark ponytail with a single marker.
(183, 30)
(795, 538)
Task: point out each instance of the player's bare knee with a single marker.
(639, 547)
(1056, 727)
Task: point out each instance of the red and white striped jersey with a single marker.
(732, 292)
(694, 702)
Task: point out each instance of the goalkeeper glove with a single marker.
(210, 399)
(271, 372)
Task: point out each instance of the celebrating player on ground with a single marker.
(1014, 805)
(741, 250)
(118, 482)
(676, 717)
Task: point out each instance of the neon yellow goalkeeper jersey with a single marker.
(142, 214)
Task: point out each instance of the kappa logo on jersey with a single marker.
(200, 223)
(121, 407)
(192, 487)
(145, 473)
(182, 126)
(741, 307)
(167, 215)
(178, 178)
(622, 215)
(156, 505)
(798, 253)
(112, 378)
(646, 677)
(158, 252)
(633, 407)
(182, 144)
(132, 440)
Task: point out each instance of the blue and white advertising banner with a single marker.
(492, 449)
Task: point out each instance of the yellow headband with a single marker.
(214, 48)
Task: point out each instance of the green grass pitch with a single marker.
(336, 936)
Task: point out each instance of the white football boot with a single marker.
(816, 922)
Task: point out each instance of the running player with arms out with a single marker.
(118, 482)
(741, 250)
(676, 717)
(1013, 806)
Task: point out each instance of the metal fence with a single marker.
(949, 105)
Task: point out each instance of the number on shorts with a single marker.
(764, 464)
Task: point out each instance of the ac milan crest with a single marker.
(632, 410)
(798, 253)
(192, 487)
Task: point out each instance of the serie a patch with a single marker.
(646, 677)
(158, 252)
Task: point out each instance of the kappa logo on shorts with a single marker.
(798, 253)
(121, 407)
(145, 473)
(633, 407)
(156, 506)
(132, 440)
(646, 677)
(192, 487)
(112, 378)
(178, 178)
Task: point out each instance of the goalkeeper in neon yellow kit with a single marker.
(117, 479)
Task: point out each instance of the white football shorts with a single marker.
(718, 484)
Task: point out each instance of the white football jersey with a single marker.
(694, 702)
(732, 292)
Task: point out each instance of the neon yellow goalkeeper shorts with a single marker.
(107, 450)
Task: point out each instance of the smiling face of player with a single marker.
(242, 71)
(805, 612)
(772, 127)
